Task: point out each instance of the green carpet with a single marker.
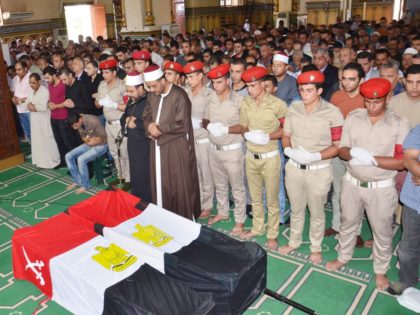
(29, 195)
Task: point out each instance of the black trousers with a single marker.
(66, 137)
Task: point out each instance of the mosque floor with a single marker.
(29, 195)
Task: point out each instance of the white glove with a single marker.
(355, 161)
(108, 103)
(363, 156)
(310, 156)
(297, 155)
(257, 137)
(196, 123)
(218, 129)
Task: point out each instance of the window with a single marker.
(231, 3)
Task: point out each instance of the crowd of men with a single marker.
(245, 117)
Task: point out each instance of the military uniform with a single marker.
(370, 187)
(308, 185)
(199, 110)
(113, 125)
(263, 161)
(227, 158)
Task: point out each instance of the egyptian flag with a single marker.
(200, 258)
(114, 254)
(88, 274)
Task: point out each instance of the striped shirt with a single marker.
(410, 194)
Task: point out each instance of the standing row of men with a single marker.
(313, 133)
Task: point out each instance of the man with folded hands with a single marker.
(201, 97)
(311, 135)
(372, 142)
(226, 156)
(260, 117)
(110, 97)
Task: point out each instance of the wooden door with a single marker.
(98, 21)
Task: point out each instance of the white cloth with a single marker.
(410, 299)
(21, 89)
(362, 157)
(108, 102)
(257, 137)
(159, 199)
(43, 146)
(195, 123)
(218, 129)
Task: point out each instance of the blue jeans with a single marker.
(77, 162)
(409, 249)
(25, 122)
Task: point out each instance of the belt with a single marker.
(228, 147)
(262, 156)
(114, 122)
(378, 184)
(202, 141)
(309, 167)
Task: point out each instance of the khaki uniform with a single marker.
(357, 193)
(263, 161)
(226, 158)
(113, 126)
(200, 104)
(310, 186)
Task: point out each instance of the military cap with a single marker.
(375, 88)
(141, 55)
(219, 72)
(254, 74)
(175, 66)
(108, 64)
(193, 67)
(315, 77)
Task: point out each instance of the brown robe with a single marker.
(180, 188)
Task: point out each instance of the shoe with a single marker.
(231, 203)
(360, 242)
(330, 231)
(60, 166)
(287, 222)
(115, 182)
(249, 211)
(396, 288)
(126, 186)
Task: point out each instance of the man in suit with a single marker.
(322, 62)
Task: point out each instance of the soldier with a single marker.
(225, 154)
(173, 72)
(201, 97)
(259, 118)
(347, 100)
(311, 133)
(110, 97)
(372, 142)
(141, 60)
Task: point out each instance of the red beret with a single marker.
(141, 55)
(254, 74)
(193, 67)
(375, 88)
(219, 71)
(108, 64)
(175, 66)
(311, 77)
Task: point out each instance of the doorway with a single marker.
(86, 20)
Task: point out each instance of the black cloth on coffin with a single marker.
(147, 291)
(234, 272)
